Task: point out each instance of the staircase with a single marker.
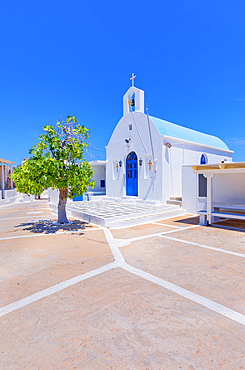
(177, 201)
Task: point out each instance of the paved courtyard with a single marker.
(164, 295)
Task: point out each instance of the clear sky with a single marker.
(76, 58)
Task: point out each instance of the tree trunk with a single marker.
(62, 219)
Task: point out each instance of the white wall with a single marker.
(53, 196)
(229, 188)
(226, 188)
(181, 154)
(9, 193)
(99, 173)
(168, 180)
(117, 149)
(189, 190)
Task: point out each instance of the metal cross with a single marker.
(132, 78)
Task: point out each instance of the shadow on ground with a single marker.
(47, 227)
(236, 225)
(189, 221)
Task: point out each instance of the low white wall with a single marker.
(9, 193)
(53, 195)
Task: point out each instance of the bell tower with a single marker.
(133, 100)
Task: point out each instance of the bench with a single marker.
(226, 212)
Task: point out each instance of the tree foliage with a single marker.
(56, 161)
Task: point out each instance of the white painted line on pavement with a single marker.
(208, 303)
(55, 289)
(158, 223)
(20, 210)
(203, 246)
(48, 234)
(114, 246)
(29, 213)
(159, 234)
(17, 218)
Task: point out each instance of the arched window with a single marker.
(131, 103)
(201, 179)
(204, 159)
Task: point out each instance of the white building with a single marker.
(145, 154)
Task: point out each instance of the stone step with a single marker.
(174, 202)
(146, 219)
(176, 198)
(114, 214)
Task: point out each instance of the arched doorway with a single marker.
(132, 174)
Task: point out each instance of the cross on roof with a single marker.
(132, 78)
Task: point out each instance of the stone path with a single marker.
(165, 295)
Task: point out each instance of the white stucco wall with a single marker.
(10, 193)
(226, 188)
(168, 180)
(99, 173)
(53, 196)
(117, 150)
(229, 188)
(189, 190)
(182, 154)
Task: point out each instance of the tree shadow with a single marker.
(47, 227)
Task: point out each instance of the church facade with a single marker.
(145, 154)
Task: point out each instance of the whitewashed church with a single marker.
(145, 154)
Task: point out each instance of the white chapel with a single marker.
(145, 154)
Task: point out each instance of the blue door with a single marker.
(132, 174)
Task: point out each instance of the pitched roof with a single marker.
(171, 129)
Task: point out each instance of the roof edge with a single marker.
(197, 144)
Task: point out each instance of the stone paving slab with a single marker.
(231, 240)
(32, 266)
(118, 321)
(33, 212)
(38, 225)
(217, 276)
(140, 230)
(24, 205)
(181, 221)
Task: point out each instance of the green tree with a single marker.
(56, 162)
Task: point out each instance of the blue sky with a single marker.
(76, 58)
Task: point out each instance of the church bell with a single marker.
(132, 103)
